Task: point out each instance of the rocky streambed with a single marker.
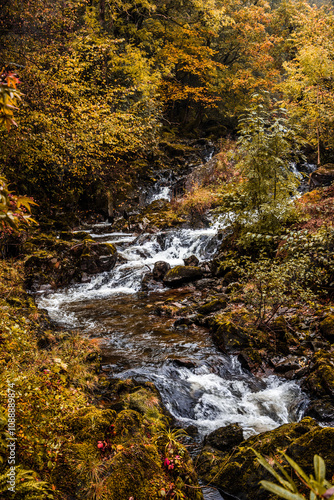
(164, 314)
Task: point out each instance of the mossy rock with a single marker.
(239, 472)
(136, 472)
(316, 442)
(143, 398)
(230, 277)
(323, 176)
(147, 403)
(182, 274)
(233, 331)
(212, 306)
(251, 359)
(225, 438)
(320, 381)
(327, 328)
(128, 423)
(278, 325)
(66, 235)
(81, 235)
(91, 423)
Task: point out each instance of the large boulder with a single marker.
(320, 379)
(327, 328)
(216, 304)
(182, 274)
(323, 176)
(321, 410)
(238, 473)
(225, 438)
(233, 331)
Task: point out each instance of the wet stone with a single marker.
(327, 328)
(225, 438)
(160, 269)
(191, 261)
(182, 274)
(205, 283)
(212, 306)
(287, 364)
(321, 410)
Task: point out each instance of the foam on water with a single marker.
(212, 393)
(140, 255)
(220, 392)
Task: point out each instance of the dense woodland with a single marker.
(96, 98)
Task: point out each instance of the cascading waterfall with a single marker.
(199, 385)
(209, 389)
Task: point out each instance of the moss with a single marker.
(327, 328)
(128, 423)
(234, 330)
(91, 423)
(252, 358)
(320, 381)
(108, 247)
(316, 442)
(145, 402)
(239, 473)
(182, 274)
(137, 473)
(212, 306)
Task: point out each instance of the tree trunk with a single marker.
(110, 204)
(318, 129)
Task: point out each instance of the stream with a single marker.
(199, 385)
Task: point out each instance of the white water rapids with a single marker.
(209, 390)
(199, 386)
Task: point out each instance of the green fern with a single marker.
(319, 487)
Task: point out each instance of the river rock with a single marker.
(327, 328)
(185, 362)
(291, 363)
(225, 438)
(182, 274)
(81, 235)
(239, 473)
(213, 306)
(321, 410)
(320, 381)
(234, 331)
(191, 261)
(206, 283)
(323, 176)
(188, 320)
(160, 269)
